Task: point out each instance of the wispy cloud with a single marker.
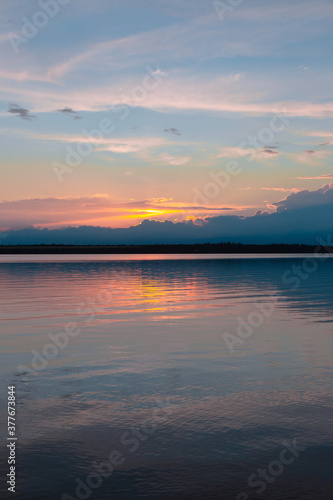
(130, 144)
(311, 157)
(320, 133)
(237, 152)
(174, 160)
(224, 95)
(173, 131)
(3, 37)
(184, 38)
(317, 177)
(115, 145)
(282, 189)
(316, 133)
(22, 76)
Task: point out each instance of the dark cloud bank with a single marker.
(301, 218)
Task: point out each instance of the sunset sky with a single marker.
(117, 111)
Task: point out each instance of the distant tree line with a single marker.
(202, 248)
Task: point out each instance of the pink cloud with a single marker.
(311, 157)
(284, 190)
(174, 160)
(324, 176)
(94, 210)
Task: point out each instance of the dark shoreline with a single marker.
(201, 248)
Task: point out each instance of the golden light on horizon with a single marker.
(140, 213)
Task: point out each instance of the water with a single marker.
(149, 379)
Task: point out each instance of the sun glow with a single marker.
(142, 213)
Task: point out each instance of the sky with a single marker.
(213, 116)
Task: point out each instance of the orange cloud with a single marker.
(93, 210)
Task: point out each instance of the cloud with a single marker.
(258, 35)
(304, 225)
(316, 133)
(311, 157)
(237, 152)
(319, 133)
(269, 152)
(120, 63)
(97, 209)
(174, 160)
(142, 147)
(112, 145)
(223, 94)
(323, 176)
(322, 196)
(20, 112)
(284, 190)
(69, 111)
(173, 131)
(130, 144)
(301, 217)
(234, 152)
(22, 76)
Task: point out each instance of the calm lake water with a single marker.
(172, 377)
